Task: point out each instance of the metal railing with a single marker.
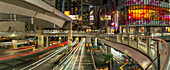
(81, 57)
(93, 61)
(155, 48)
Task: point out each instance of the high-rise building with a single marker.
(58, 4)
(71, 5)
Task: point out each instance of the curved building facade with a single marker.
(144, 16)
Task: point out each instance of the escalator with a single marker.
(86, 62)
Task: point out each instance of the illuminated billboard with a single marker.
(148, 13)
(74, 17)
(67, 13)
(91, 17)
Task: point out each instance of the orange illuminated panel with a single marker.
(67, 13)
(118, 14)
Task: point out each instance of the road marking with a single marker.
(115, 60)
(122, 66)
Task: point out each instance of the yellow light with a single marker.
(67, 13)
(76, 17)
(14, 47)
(101, 18)
(122, 38)
(89, 44)
(106, 17)
(86, 44)
(80, 18)
(77, 38)
(132, 38)
(87, 30)
(113, 30)
(62, 45)
(13, 35)
(132, 44)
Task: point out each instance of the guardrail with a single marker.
(92, 59)
(81, 56)
(155, 48)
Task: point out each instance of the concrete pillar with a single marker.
(108, 29)
(70, 36)
(47, 41)
(127, 28)
(10, 16)
(35, 28)
(116, 24)
(88, 41)
(162, 32)
(108, 50)
(54, 25)
(109, 55)
(136, 30)
(15, 18)
(40, 39)
(148, 31)
(32, 20)
(120, 29)
(111, 30)
(95, 42)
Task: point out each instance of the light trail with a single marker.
(29, 53)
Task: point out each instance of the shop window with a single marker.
(156, 29)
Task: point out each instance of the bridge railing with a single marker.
(155, 48)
